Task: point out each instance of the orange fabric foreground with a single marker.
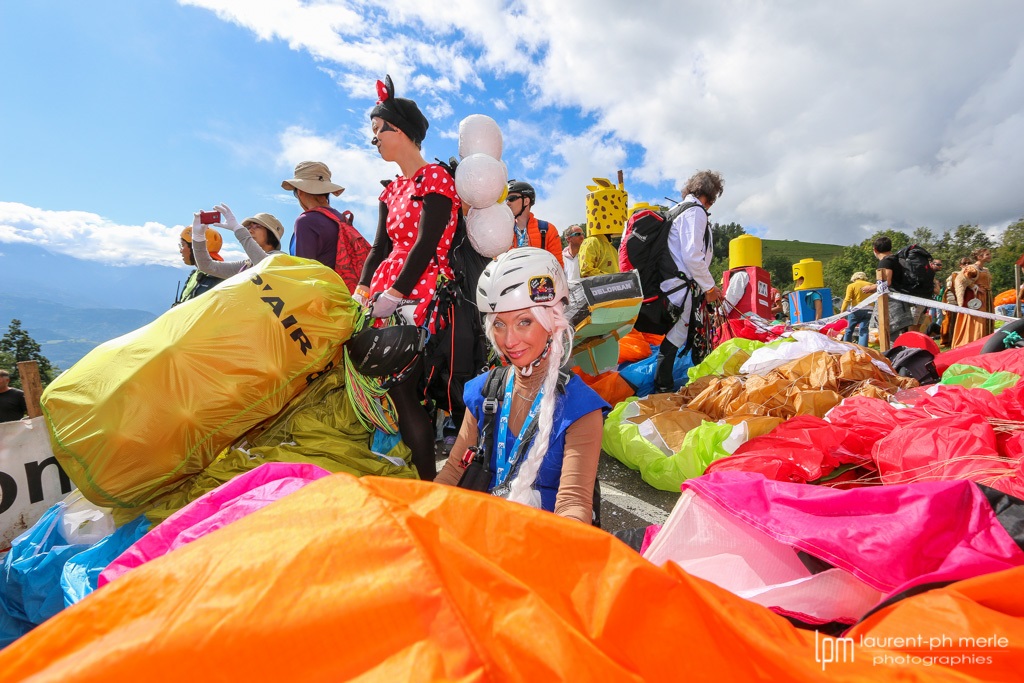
(393, 580)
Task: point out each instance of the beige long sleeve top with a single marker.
(575, 497)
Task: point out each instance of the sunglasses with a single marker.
(575, 234)
(513, 197)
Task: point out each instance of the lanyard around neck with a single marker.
(503, 466)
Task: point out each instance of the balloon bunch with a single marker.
(481, 179)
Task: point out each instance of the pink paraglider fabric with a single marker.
(890, 537)
(225, 504)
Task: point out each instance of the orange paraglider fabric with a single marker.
(634, 346)
(609, 385)
(388, 580)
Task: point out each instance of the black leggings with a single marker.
(414, 422)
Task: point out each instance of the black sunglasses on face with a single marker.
(513, 197)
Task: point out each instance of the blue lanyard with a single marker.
(501, 456)
(521, 238)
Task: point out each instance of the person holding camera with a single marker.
(259, 235)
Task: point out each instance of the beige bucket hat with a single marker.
(313, 177)
(268, 221)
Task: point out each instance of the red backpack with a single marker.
(352, 248)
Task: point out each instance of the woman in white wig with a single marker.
(523, 294)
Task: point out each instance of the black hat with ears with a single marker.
(399, 112)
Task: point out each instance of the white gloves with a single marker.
(362, 296)
(384, 305)
(198, 229)
(229, 218)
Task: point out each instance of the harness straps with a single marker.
(492, 392)
(543, 227)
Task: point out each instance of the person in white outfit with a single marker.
(574, 237)
(691, 249)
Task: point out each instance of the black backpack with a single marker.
(647, 247)
(910, 361)
(457, 351)
(647, 251)
(918, 276)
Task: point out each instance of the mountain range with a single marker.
(70, 305)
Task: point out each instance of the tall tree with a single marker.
(20, 346)
(721, 235)
(1005, 255)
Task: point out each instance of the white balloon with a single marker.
(479, 134)
(490, 229)
(480, 180)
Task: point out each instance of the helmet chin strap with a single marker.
(528, 370)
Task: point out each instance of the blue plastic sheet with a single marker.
(44, 572)
(640, 374)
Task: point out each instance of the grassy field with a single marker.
(795, 250)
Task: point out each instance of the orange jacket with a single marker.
(554, 240)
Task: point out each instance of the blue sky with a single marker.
(828, 121)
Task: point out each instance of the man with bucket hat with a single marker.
(316, 229)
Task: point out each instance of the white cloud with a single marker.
(827, 120)
(358, 169)
(92, 237)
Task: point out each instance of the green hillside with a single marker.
(794, 250)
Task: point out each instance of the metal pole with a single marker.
(883, 315)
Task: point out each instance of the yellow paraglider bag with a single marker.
(144, 411)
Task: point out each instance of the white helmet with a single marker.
(521, 278)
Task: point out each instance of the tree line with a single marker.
(17, 346)
(950, 247)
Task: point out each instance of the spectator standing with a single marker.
(529, 231)
(259, 235)
(574, 237)
(12, 401)
(598, 256)
(690, 250)
(859, 318)
(316, 229)
(417, 216)
(198, 281)
(900, 317)
(968, 328)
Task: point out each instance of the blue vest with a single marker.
(577, 401)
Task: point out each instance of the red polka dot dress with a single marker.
(404, 199)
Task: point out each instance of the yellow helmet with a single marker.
(213, 239)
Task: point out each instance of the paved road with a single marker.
(627, 501)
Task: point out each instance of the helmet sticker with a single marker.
(542, 289)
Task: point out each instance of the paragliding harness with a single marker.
(700, 337)
(353, 248)
(477, 459)
(646, 249)
(457, 351)
(910, 361)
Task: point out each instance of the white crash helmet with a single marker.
(521, 278)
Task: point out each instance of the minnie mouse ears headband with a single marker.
(403, 114)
